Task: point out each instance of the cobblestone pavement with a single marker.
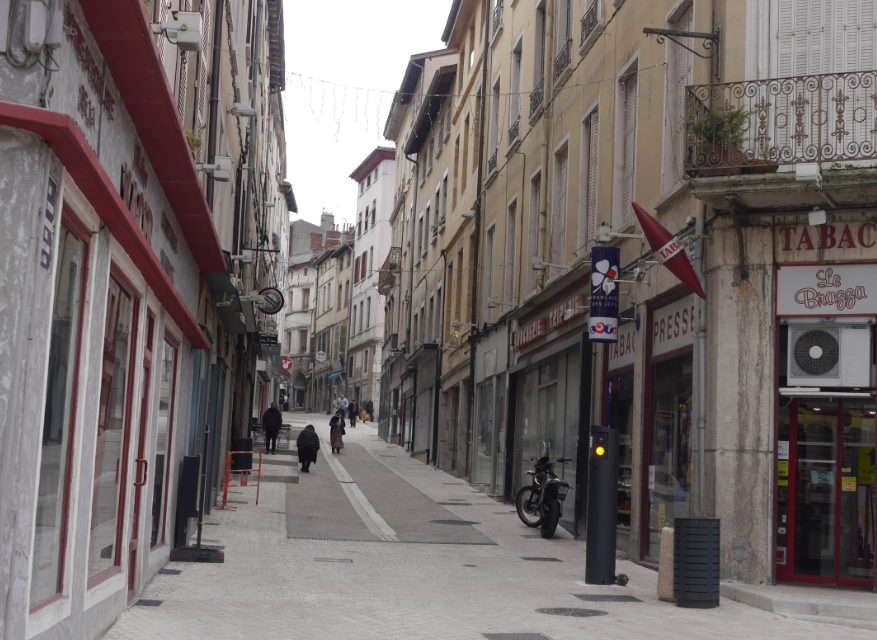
(365, 578)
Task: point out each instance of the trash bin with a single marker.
(242, 460)
(696, 562)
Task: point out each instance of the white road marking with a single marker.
(371, 518)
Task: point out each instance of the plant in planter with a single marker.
(719, 135)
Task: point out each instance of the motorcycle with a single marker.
(539, 503)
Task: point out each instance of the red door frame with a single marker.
(786, 573)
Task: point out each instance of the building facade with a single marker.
(125, 343)
(375, 177)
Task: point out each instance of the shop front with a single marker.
(489, 434)
(550, 401)
(825, 449)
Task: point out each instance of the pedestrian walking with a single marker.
(336, 431)
(351, 413)
(370, 410)
(271, 422)
(307, 443)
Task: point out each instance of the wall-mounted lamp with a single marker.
(456, 324)
(606, 234)
(183, 30)
(540, 265)
(241, 110)
(492, 303)
(817, 217)
(809, 172)
(220, 169)
(471, 213)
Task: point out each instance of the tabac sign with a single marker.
(827, 290)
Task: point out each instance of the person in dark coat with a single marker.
(370, 410)
(271, 422)
(307, 443)
(352, 410)
(336, 430)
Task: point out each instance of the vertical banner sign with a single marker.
(603, 323)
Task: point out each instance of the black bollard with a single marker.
(602, 505)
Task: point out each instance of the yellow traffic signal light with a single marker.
(600, 450)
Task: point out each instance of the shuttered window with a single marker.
(628, 145)
(203, 73)
(559, 209)
(679, 68)
(588, 208)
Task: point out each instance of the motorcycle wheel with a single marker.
(527, 505)
(551, 518)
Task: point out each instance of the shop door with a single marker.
(825, 492)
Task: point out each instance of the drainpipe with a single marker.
(438, 362)
(701, 359)
(215, 69)
(479, 210)
(411, 256)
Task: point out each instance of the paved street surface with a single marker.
(372, 544)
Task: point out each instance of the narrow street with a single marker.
(374, 544)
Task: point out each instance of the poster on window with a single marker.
(603, 323)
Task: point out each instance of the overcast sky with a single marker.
(344, 59)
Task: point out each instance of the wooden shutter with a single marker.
(159, 38)
(558, 219)
(629, 147)
(203, 67)
(591, 195)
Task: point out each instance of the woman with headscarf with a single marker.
(336, 430)
(307, 443)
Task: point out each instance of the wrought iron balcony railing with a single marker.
(536, 96)
(515, 130)
(497, 17)
(562, 59)
(818, 118)
(491, 162)
(589, 21)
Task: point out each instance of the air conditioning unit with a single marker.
(829, 356)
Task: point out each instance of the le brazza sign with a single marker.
(827, 290)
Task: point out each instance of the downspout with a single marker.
(411, 297)
(542, 229)
(473, 312)
(438, 362)
(701, 359)
(215, 69)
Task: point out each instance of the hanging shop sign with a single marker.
(822, 290)
(669, 250)
(560, 315)
(603, 323)
(673, 326)
(273, 301)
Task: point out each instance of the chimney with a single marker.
(327, 221)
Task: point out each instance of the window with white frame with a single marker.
(586, 231)
(511, 228)
(368, 312)
(678, 76)
(625, 179)
(559, 213)
(493, 133)
(489, 257)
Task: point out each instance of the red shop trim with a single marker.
(70, 145)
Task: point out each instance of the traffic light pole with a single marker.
(602, 505)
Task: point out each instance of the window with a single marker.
(305, 299)
(488, 267)
(346, 292)
(356, 270)
(365, 362)
(374, 210)
(465, 157)
(563, 37)
(559, 209)
(340, 291)
(110, 468)
(471, 45)
(163, 434)
(436, 329)
(587, 227)
(417, 339)
(533, 231)
(493, 133)
(539, 48)
(678, 76)
(458, 287)
(430, 319)
(626, 180)
(515, 97)
(368, 312)
(444, 200)
(424, 245)
(353, 321)
(438, 210)
(47, 571)
(302, 340)
(361, 314)
(508, 295)
(371, 257)
(456, 168)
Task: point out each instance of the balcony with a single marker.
(497, 18)
(589, 22)
(754, 126)
(562, 60)
(491, 162)
(536, 97)
(515, 130)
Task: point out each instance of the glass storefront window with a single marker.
(622, 422)
(669, 466)
(484, 434)
(103, 552)
(52, 499)
(162, 440)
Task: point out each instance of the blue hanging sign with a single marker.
(603, 323)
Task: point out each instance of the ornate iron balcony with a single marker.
(589, 21)
(536, 96)
(491, 162)
(515, 129)
(497, 17)
(562, 59)
(819, 118)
